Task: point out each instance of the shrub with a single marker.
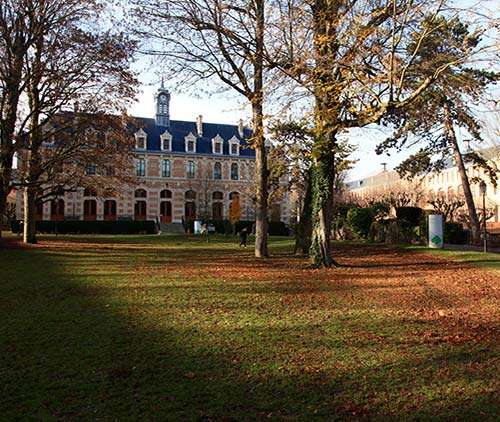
(454, 233)
(409, 216)
(360, 220)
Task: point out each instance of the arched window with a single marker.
(233, 194)
(57, 210)
(89, 192)
(166, 206)
(190, 194)
(140, 210)
(110, 209)
(217, 206)
(217, 170)
(90, 209)
(166, 193)
(190, 205)
(140, 193)
(234, 171)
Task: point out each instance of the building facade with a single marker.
(183, 171)
(445, 184)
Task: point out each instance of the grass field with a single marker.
(175, 328)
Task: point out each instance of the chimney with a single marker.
(199, 125)
(240, 127)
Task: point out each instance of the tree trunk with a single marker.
(29, 230)
(261, 225)
(469, 200)
(322, 206)
(303, 231)
(259, 141)
(3, 205)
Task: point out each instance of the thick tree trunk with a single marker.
(29, 230)
(469, 200)
(322, 206)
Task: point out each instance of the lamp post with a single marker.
(482, 188)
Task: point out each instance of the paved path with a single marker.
(473, 248)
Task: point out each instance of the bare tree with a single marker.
(15, 40)
(216, 40)
(70, 62)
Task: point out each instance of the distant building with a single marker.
(185, 171)
(445, 184)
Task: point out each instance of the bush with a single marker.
(278, 228)
(409, 216)
(454, 233)
(360, 220)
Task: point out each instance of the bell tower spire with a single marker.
(163, 106)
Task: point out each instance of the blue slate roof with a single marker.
(180, 129)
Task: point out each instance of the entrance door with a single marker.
(166, 211)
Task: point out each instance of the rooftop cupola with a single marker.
(163, 107)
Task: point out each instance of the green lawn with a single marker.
(175, 328)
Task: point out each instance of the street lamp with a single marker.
(482, 188)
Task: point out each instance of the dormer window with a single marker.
(217, 145)
(140, 139)
(166, 141)
(234, 146)
(190, 143)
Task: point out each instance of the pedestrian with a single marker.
(243, 237)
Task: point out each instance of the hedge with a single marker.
(91, 227)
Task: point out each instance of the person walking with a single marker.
(243, 237)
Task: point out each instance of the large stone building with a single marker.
(184, 171)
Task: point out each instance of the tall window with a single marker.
(89, 209)
(57, 210)
(190, 146)
(217, 206)
(165, 168)
(217, 170)
(110, 209)
(190, 169)
(140, 207)
(108, 170)
(90, 169)
(141, 167)
(166, 206)
(140, 210)
(190, 205)
(234, 171)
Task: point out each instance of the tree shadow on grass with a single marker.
(83, 345)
